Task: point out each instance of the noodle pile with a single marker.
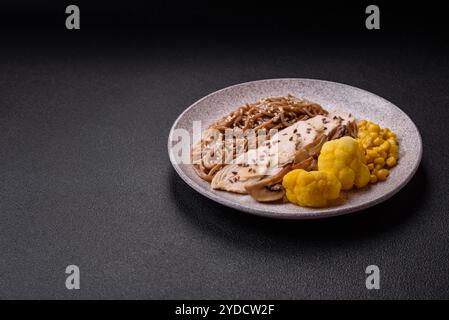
(266, 114)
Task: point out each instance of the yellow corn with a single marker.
(373, 135)
(363, 133)
(391, 161)
(380, 161)
(372, 154)
(367, 142)
(382, 174)
(373, 127)
(394, 149)
(385, 146)
(392, 135)
(378, 141)
(381, 149)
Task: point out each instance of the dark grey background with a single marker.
(85, 177)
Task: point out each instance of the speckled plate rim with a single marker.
(316, 213)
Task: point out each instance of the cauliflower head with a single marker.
(346, 160)
(311, 188)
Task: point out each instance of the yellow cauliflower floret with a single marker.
(346, 160)
(311, 188)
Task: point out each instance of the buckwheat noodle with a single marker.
(268, 113)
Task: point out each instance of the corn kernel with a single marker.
(392, 140)
(367, 142)
(370, 166)
(378, 141)
(392, 135)
(394, 149)
(377, 149)
(362, 123)
(391, 162)
(379, 161)
(362, 134)
(373, 178)
(382, 174)
(385, 146)
(372, 153)
(373, 135)
(373, 127)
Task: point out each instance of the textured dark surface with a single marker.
(85, 177)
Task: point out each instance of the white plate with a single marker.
(332, 96)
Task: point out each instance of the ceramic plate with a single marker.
(332, 96)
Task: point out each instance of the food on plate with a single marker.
(345, 159)
(341, 165)
(311, 188)
(269, 113)
(307, 158)
(259, 171)
(380, 147)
